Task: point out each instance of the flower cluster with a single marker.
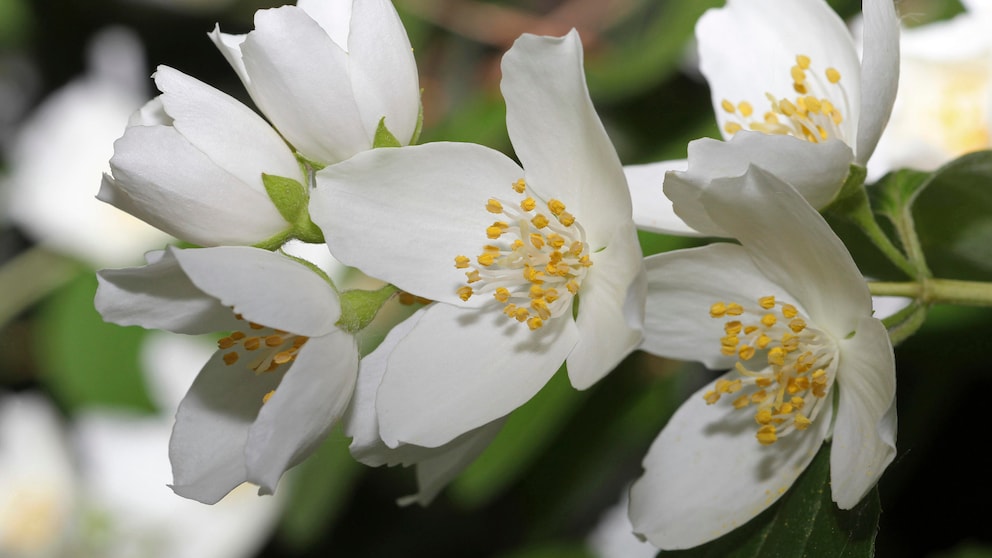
(513, 269)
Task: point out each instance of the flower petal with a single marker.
(267, 288)
(230, 47)
(706, 474)
(879, 73)
(449, 461)
(462, 368)
(212, 423)
(313, 394)
(402, 215)
(383, 70)
(817, 171)
(864, 436)
(333, 17)
(551, 121)
(793, 246)
(611, 309)
(232, 135)
(652, 209)
(159, 296)
(161, 178)
(682, 285)
(300, 80)
(747, 48)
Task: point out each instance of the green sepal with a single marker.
(383, 137)
(358, 307)
(420, 121)
(805, 522)
(906, 322)
(288, 195)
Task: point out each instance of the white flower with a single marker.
(191, 163)
(63, 147)
(276, 385)
(538, 239)
(789, 313)
(38, 495)
(790, 96)
(326, 72)
(944, 106)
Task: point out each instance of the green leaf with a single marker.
(804, 523)
(896, 190)
(84, 360)
(288, 195)
(383, 137)
(953, 215)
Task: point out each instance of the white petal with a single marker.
(817, 171)
(879, 73)
(229, 133)
(300, 80)
(448, 461)
(208, 440)
(311, 398)
(383, 70)
(558, 136)
(747, 49)
(611, 309)
(652, 209)
(159, 177)
(159, 296)
(682, 285)
(266, 287)
(462, 368)
(333, 17)
(706, 474)
(793, 246)
(402, 215)
(864, 436)
(230, 47)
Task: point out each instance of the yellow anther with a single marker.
(764, 381)
(812, 104)
(502, 294)
(533, 275)
(746, 352)
(536, 240)
(801, 422)
(539, 221)
(759, 396)
(730, 341)
(798, 75)
(551, 295)
(473, 276)
(763, 416)
(520, 314)
(536, 291)
(732, 327)
(572, 286)
(746, 109)
(711, 397)
(833, 76)
(718, 309)
(727, 106)
(789, 311)
(528, 204)
(230, 358)
(797, 325)
(267, 396)
(734, 309)
(798, 403)
(252, 343)
(253, 325)
(557, 242)
(465, 292)
(763, 341)
(769, 320)
(487, 259)
(742, 401)
(283, 357)
(776, 356)
(556, 207)
(238, 335)
(225, 343)
(495, 231)
(750, 329)
(566, 219)
(461, 262)
(519, 186)
(803, 61)
(766, 302)
(494, 206)
(274, 341)
(800, 88)
(576, 248)
(535, 323)
(732, 127)
(787, 107)
(766, 435)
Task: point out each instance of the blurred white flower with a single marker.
(58, 157)
(613, 536)
(944, 105)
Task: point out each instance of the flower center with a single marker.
(791, 388)
(264, 349)
(810, 115)
(536, 262)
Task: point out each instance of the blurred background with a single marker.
(86, 407)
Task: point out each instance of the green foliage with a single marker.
(84, 360)
(804, 523)
(358, 307)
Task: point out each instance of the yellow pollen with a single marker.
(746, 352)
(486, 259)
(534, 323)
(732, 127)
(768, 320)
(833, 76)
(465, 292)
(742, 401)
(801, 422)
(566, 219)
(528, 204)
(732, 327)
(473, 276)
(727, 106)
(539, 221)
(495, 231)
(803, 61)
(734, 309)
(502, 294)
(267, 396)
(789, 311)
(494, 206)
(797, 325)
(556, 207)
(746, 109)
(519, 186)
(767, 302)
(718, 309)
(711, 397)
(798, 75)
(461, 262)
(764, 416)
(766, 435)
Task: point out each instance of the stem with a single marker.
(938, 291)
(31, 276)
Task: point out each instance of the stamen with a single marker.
(268, 350)
(787, 396)
(537, 262)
